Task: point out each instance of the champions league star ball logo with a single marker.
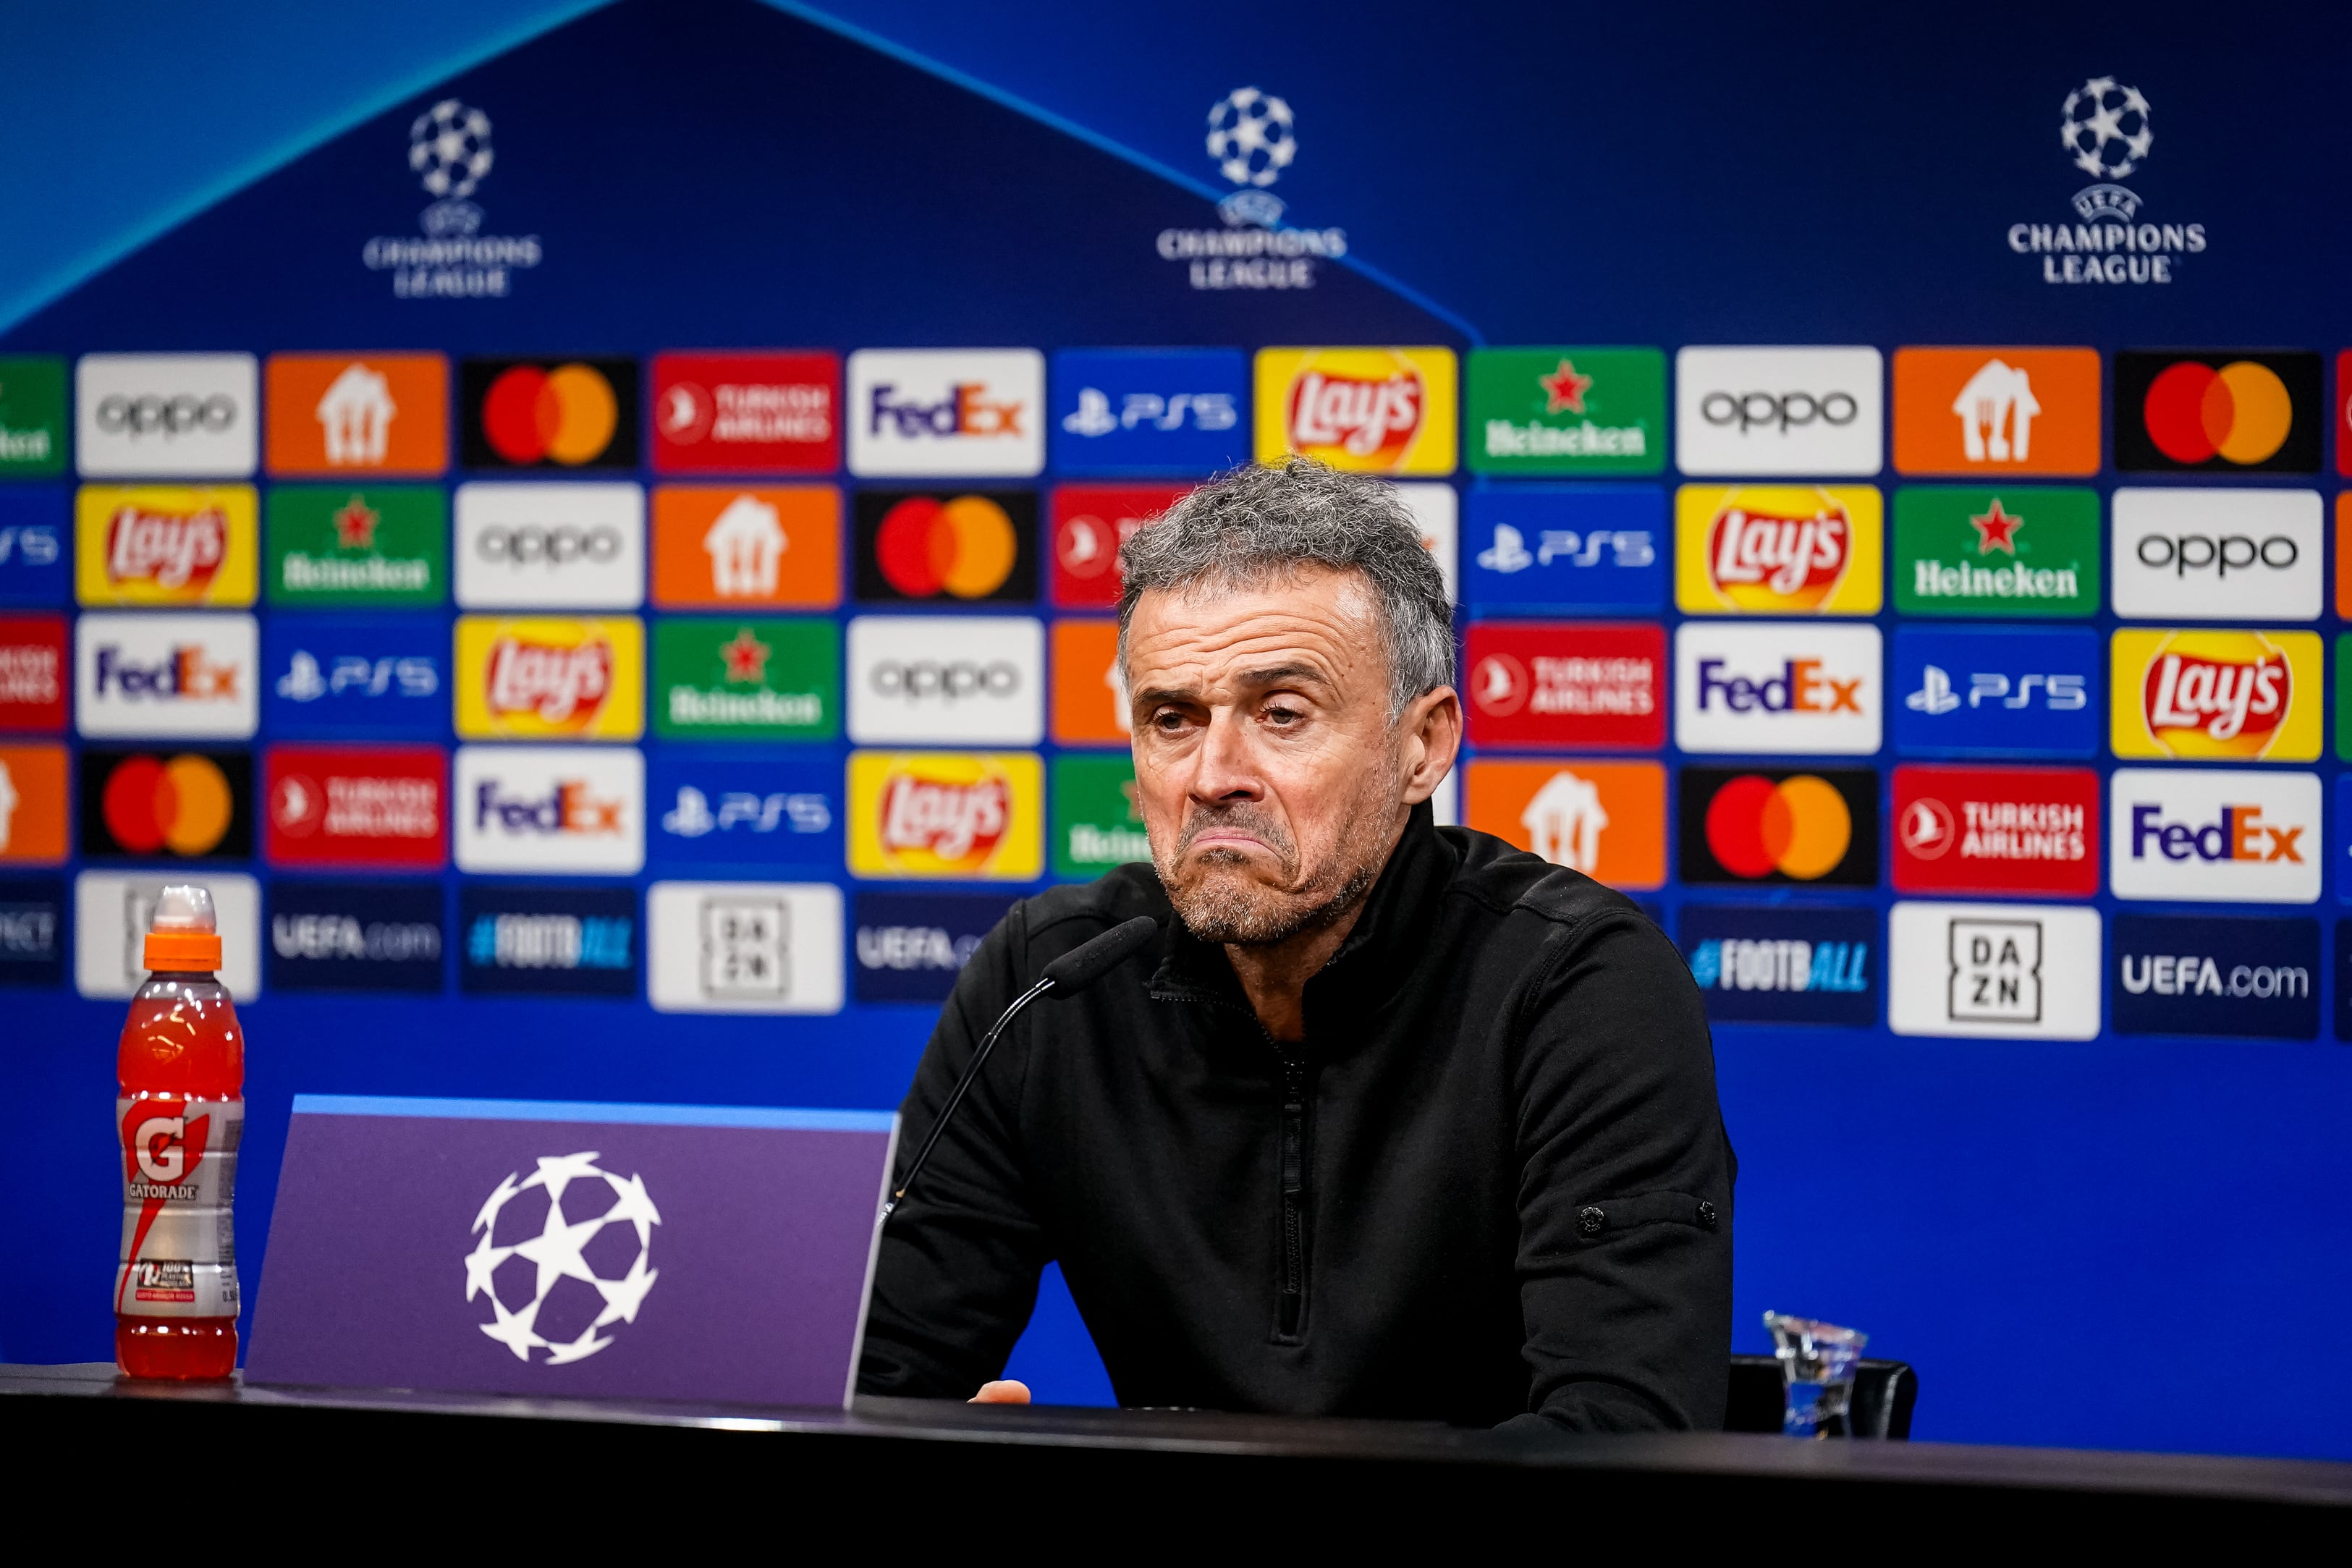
(2105, 126)
(1251, 138)
(581, 1270)
(449, 149)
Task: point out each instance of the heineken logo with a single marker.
(330, 545)
(2028, 552)
(1567, 411)
(769, 679)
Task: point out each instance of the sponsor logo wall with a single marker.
(743, 632)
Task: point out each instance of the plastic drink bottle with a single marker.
(181, 1115)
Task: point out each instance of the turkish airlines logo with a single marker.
(1567, 684)
(341, 805)
(746, 413)
(1997, 829)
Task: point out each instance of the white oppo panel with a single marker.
(1798, 688)
(113, 909)
(2216, 555)
(2214, 835)
(947, 680)
(550, 546)
(968, 413)
(193, 676)
(1814, 413)
(744, 947)
(2001, 971)
(567, 808)
(183, 417)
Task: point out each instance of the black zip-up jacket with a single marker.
(1492, 1181)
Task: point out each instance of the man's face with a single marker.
(1270, 777)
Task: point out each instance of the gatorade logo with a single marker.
(2218, 409)
(2233, 696)
(186, 805)
(1781, 825)
(566, 413)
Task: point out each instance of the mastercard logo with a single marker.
(2240, 413)
(184, 805)
(966, 547)
(566, 416)
(1799, 827)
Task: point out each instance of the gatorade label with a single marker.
(178, 1165)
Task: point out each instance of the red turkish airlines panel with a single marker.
(383, 806)
(746, 414)
(1567, 685)
(1090, 523)
(1997, 829)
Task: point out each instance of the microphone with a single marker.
(1066, 976)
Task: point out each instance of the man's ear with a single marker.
(1431, 729)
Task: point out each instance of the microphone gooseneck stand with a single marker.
(1071, 973)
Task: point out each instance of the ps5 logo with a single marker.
(1509, 552)
(1204, 410)
(2059, 693)
(692, 817)
(305, 681)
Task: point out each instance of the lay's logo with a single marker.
(545, 679)
(946, 814)
(1376, 411)
(1778, 550)
(152, 544)
(2233, 696)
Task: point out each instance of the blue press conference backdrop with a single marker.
(2070, 1237)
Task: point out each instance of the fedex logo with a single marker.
(1800, 687)
(1779, 687)
(153, 675)
(966, 412)
(2239, 834)
(2200, 835)
(185, 672)
(550, 809)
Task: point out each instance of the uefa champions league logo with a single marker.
(1253, 141)
(449, 149)
(585, 1266)
(2105, 126)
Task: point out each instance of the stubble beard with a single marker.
(1220, 901)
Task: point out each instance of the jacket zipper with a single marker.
(1290, 1307)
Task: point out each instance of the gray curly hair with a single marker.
(1251, 526)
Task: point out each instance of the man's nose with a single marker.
(1226, 768)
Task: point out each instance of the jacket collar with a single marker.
(1377, 958)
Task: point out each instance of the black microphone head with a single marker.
(1082, 965)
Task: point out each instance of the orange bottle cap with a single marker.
(183, 951)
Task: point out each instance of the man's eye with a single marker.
(1280, 715)
(1168, 720)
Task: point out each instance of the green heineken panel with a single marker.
(1096, 824)
(337, 547)
(2344, 701)
(2029, 550)
(32, 416)
(746, 679)
(1565, 411)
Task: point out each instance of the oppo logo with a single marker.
(960, 678)
(2185, 553)
(558, 546)
(150, 414)
(1784, 411)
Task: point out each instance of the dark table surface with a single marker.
(922, 1447)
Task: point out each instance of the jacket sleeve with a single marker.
(956, 1276)
(1624, 1254)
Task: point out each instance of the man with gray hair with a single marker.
(1394, 1119)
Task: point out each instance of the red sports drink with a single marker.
(182, 1115)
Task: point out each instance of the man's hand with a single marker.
(1004, 1393)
